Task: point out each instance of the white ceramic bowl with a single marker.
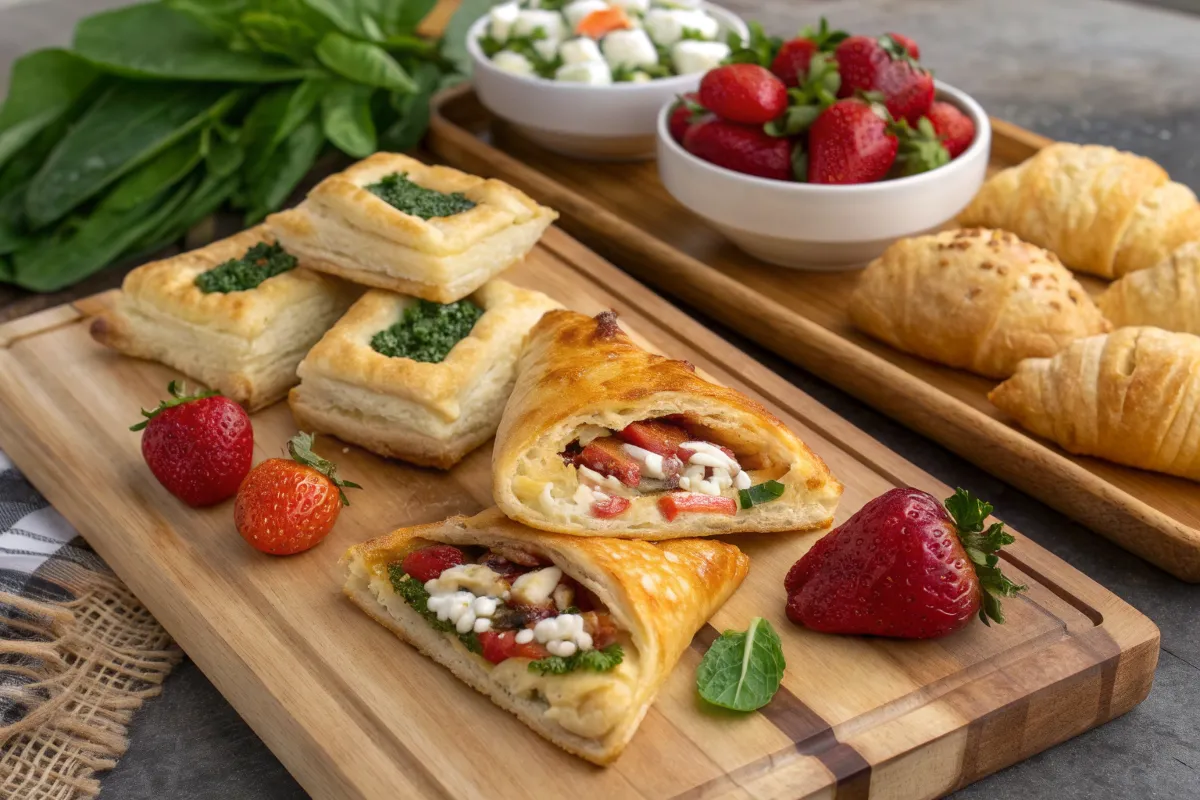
(823, 227)
(598, 122)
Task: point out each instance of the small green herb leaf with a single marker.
(759, 494)
(593, 660)
(300, 448)
(428, 331)
(742, 671)
(178, 397)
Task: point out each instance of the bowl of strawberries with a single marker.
(820, 151)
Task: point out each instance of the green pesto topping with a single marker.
(417, 598)
(399, 192)
(260, 262)
(428, 331)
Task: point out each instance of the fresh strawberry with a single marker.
(199, 446)
(903, 566)
(611, 506)
(606, 456)
(883, 65)
(427, 563)
(654, 435)
(851, 143)
(955, 128)
(501, 646)
(791, 63)
(859, 60)
(289, 505)
(745, 93)
(907, 90)
(908, 44)
(687, 111)
(740, 148)
(675, 503)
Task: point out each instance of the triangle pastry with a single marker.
(574, 636)
(602, 438)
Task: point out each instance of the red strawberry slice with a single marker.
(676, 503)
(611, 506)
(606, 456)
(430, 562)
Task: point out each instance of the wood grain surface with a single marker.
(353, 712)
(623, 211)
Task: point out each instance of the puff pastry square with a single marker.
(246, 344)
(658, 594)
(344, 229)
(430, 414)
(586, 394)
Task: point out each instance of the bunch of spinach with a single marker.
(162, 113)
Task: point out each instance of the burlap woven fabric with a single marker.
(78, 655)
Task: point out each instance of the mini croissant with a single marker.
(1132, 396)
(1166, 296)
(1101, 210)
(976, 299)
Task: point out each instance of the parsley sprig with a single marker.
(594, 660)
(417, 598)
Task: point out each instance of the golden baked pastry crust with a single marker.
(1101, 210)
(661, 594)
(975, 299)
(1166, 296)
(344, 229)
(426, 413)
(1131, 396)
(230, 341)
(578, 372)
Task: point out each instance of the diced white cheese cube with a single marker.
(536, 587)
(630, 49)
(741, 480)
(580, 51)
(524, 636)
(667, 25)
(640, 77)
(690, 56)
(632, 5)
(513, 62)
(593, 73)
(546, 48)
(529, 22)
(501, 19)
(575, 12)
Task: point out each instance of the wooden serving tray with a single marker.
(353, 712)
(623, 211)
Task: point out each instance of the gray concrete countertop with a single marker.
(1082, 70)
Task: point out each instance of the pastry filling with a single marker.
(260, 262)
(402, 194)
(510, 605)
(428, 331)
(660, 457)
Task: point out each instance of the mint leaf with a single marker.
(742, 671)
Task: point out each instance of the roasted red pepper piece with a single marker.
(606, 456)
(676, 503)
(499, 647)
(655, 435)
(601, 628)
(611, 506)
(430, 562)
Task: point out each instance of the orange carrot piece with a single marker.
(596, 24)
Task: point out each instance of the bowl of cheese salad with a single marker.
(587, 78)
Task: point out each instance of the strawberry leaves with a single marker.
(300, 449)
(921, 149)
(758, 49)
(983, 546)
(178, 398)
(806, 102)
(823, 36)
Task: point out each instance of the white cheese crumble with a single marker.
(652, 463)
(592, 73)
(464, 610)
(501, 19)
(629, 48)
(606, 481)
(562, 635)
(529, 21)
(581, 51)
(575, 12)
(667, 25)
(536, 587)
(690, 56)
(511, 61)
(475, 578)
(741, 480)
(632, 5)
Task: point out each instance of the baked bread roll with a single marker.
(1166, 296)
(1101, 210)
(646, 599)
(1132, 396)
(976, 299)
(601, 438)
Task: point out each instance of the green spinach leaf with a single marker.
(128, 126)
(219, 16)
(742, 671)
(154, 41)
(347, 15)
(413, 109)
(207, 198)
(403, 16)
(273, 119)
(223, 157)
(42, 87)
(346, 119)
(280, 36)
(363, 63)
(284, 170)
(161, 172)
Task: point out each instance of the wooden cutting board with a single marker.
(623, 211)
(354, 712)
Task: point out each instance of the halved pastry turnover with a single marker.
(975, 299)
(1132, 396)
(237, 315)
(418, 380)
(573, 636)
(601, 438)
(393, 222)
